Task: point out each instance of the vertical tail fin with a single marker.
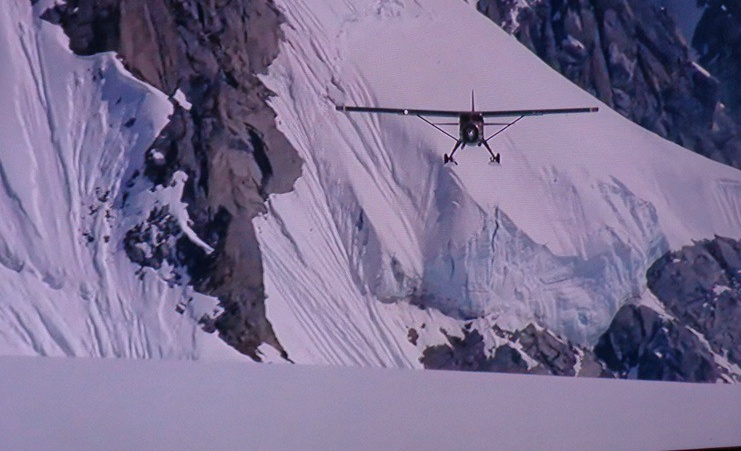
(473, 103)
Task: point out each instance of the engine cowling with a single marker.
(471, 133)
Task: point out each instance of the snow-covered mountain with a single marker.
(377, 255)
(73, 131)
(560, 234)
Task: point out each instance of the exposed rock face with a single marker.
(630, 55)
(701, 286)
(640, 344)
(717, 40)
(150, 243)
(93, 27)
(227, 142)
(469, 354)
(555, 355)
(547, 353)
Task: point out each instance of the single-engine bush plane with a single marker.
(470, 123)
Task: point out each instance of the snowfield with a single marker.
(118, 404)
(560, 234)
(72, 130)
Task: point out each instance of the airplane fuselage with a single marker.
(471, 128)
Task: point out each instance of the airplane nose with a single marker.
(472, 133)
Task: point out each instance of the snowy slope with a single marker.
(561, 233)
(72, 130)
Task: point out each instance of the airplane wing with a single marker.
(401, 111)
(513, 113)
(447, 113)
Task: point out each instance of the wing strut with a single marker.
(440, 129)
(503, 129)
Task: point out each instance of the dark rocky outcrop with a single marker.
(717, 40)
(630, 55)
(92, 26)
(227, 142)
(553, 355)
(641, 344)
(469, 354)
(556, 356)
(150, 243)
(701, 286)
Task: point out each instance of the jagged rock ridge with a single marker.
(226, 140)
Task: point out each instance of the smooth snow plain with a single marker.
(121, 404)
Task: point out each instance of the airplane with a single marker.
(470, 123)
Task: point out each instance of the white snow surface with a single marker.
(116, 404)
(72, 130)
(560, 234)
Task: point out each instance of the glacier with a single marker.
(560, 234)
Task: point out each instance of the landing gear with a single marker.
(495, 157)
(449, 159)
(459, 144)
